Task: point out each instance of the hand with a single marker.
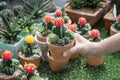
(82, 46)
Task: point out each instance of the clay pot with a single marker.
(56, 64)
(95, 61)
(7, 78)
(57, 51)
(113, 31)
(109, 19)
(43, 47)
(75, 56)
(91, 15)
(25, 60)
(40, 37)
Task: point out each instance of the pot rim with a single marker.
(47, 41)
(27, 58)
(39, 41)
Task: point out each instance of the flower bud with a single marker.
(58, 13)
(47, 19)
(82, 21)
(95, 33)
(7, 55)
(58, 22)
(119, 17)
(29, 39)
(30, 68)
(72, 28)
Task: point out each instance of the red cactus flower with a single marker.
(58, 22)
(95, 33)
(119, 17)
(72, 28)
(7, 55)
(30, 68)
(48, 19)
(82, 21)
(58, 13)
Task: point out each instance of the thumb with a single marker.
(70, 52)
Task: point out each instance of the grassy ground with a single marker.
(79, 70)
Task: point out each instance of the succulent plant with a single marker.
(29, 72)
(8, 65)
(83, 27)
(95, 35)
(61, 35)
(18, 11)
(10, 31)
(37, 10)
(30, 49)
(76, 4)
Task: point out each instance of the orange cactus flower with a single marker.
(82, 21)
(30, 68)
(58, 22)
(72, 27)
(95, 33)
(29, 39)
(47, 19)
(7, 55)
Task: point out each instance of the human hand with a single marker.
(82, 46)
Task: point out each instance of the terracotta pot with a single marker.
(91, 15)
(40, 37)
(109, 19)
(7, 78)
(56, 64)
(57, 51)
(95, 61)
(113, 31)
(43, 47)
(25, 60)
(75, 56)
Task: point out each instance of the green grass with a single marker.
(79, 70)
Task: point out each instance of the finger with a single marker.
(70, 51)
(79, 38)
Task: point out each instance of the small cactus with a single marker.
(53, 38)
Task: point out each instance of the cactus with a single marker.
(9, 67)
(53, 38)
